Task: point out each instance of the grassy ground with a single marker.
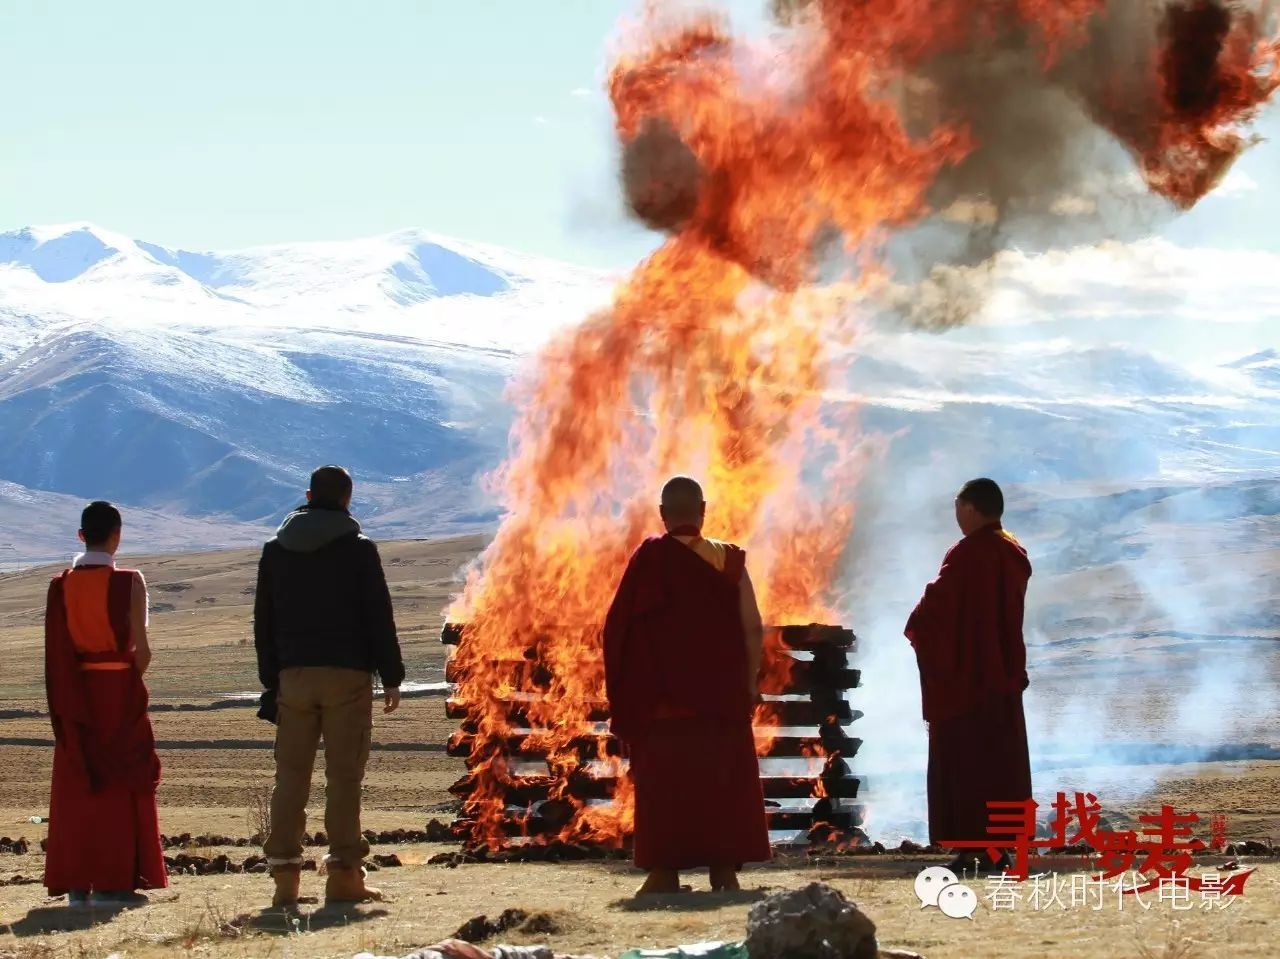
(217, 760)
(587, 906)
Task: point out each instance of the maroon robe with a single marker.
(967, 635)
(676, 674)
(104, 833)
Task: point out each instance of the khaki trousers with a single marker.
(316, 701)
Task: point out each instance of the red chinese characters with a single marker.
(1161, 852)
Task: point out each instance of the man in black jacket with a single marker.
(322, 626)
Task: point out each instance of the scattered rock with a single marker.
(438, 832)
(210, 841)
(1249, 847)
(1079, 849)
(554, 851)
(481, 928)
(541, 924)
(18, 847)
(19, 881)
(815, 922)
(203, 841)
(387, 861)
(185, 864)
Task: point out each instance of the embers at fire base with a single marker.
(536, 785)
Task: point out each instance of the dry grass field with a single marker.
(217, 758)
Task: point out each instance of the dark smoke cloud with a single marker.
(1102, 135)
(1060, 153)
(661, 177)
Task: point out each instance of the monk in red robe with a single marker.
(682, 645)
(104, 837)
(967, 635)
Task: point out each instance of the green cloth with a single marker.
(701, 950)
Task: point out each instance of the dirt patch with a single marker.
(216, 761)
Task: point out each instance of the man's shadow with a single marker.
(689, 901)
(46, 919)
(285, 922)
(43, 920)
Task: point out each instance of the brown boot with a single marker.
(346, 884)
(288, 878)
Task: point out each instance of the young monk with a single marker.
(967, 635)
(104, 837)
(682, 643)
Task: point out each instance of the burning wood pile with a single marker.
(543, 782)
(770, 164)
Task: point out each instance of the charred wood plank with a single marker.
(533, 822)
(791, 713)
(808, 678)
(811, 636)
(523, 745)
(816, 636)
(829, 742)
(525, 790)
(803, 678)
(522, 674)
(587, 747)
(805, 713)
(787, 787)
(787, 820)
(517, 713)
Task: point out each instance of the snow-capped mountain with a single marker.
(205, 385)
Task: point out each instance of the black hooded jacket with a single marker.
(322, 600)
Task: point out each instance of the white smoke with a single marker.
(1154, 611)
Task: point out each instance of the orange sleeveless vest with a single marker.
(97, 601)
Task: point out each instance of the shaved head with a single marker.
(682, 503)
(978, 504)
(985, 496)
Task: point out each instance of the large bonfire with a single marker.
(755, 158)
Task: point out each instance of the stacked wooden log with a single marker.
(803, 722)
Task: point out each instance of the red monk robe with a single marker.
(967, 634)
(680, 698)
(103, 830)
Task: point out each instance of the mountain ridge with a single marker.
(206, 384)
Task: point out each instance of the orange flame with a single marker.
(713, 357)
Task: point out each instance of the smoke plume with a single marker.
(1081, 121)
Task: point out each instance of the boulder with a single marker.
(816, 922)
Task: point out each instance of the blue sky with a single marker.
(258, 121)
